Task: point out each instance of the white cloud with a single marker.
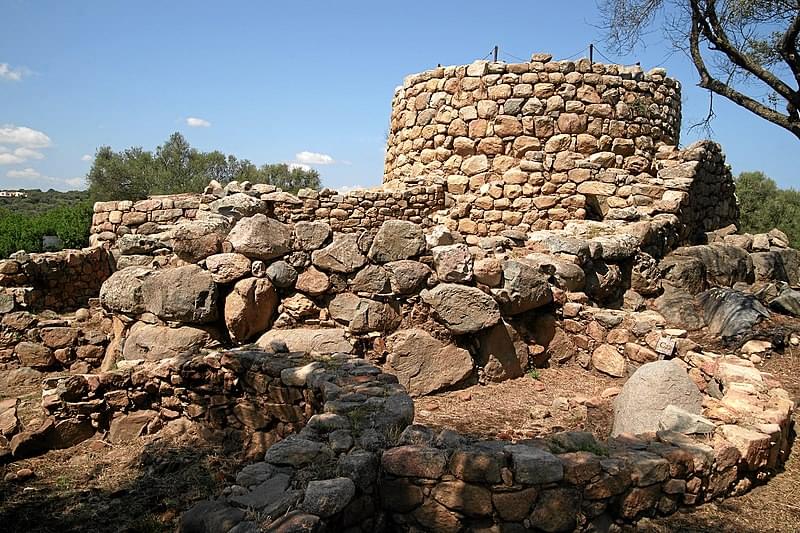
(24, 136)
(25, 173)
(33, 178)
(87, 157)
(27, 153)
(301, 166)
(314, 158)
(10, 159)
(194, 122)
(12, 74)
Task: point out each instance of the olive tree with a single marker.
(743, 50)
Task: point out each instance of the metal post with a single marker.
(591, 53)
(496, 49)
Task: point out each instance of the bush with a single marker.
(22, 231)
(764, 206)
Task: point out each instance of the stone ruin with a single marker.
(531, 214)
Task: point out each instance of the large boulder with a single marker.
(197, 239)
(424, 364)
(123, 291)
(372, 279)
(462, 309)
(152, 342)
(730, 313)
(228, 267)
(604, 281)
(342, 255)
(259, 237)
(453, 263)
(309, 236)
(677, 306)
(363, 315)
(724, 264)
(768, 266)
(791, 265)
(787, 301)
(407, 276)
(395, 240)
(308, 340)
(524, 288)
(137, 244)
(183, 294)
(683, 272)
(238, 205)
(649, 391)
(502, 353)
(249, 308)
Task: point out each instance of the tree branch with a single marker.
(707, 81)
(787, 47)
(713, 30)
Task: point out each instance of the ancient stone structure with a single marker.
(533, 145)
(532, 214)
(58, 281)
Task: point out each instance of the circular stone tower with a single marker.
(530, 145)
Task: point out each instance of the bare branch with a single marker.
(707, 81)
(787, 47)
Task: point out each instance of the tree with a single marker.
(176, 167)
(763, 206)
(743, 50)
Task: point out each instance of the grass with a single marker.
(534, 373)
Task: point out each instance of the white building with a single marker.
(13, 194)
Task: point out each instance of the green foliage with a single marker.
(176, 167)
(764, 206)
(534, 373)
(23, 230)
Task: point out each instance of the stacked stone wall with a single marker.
(57, 281)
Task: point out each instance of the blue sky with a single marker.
(268, 81)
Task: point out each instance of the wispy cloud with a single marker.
(195, 122)
(25, 173)
(9, 73)
(87, 157)
(34, 178)
(313, 158)
(25, 144)
(24, 136)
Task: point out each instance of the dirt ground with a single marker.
(143, 487)
(513, 409)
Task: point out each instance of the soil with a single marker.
(513, 409)
(143, 486)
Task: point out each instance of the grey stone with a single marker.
(265, 496)
(184, 294)
(123, 291)
(524, 288)
(281, 274)
(342, 255)
(295, 451)
(238, 205)
(687, 273)
(653, 387)
(328, 497)
(228, 267)
(372, 279)
(502, 353)
(424, 364)
(453, 263)
(259, 237)
(135, 244)
(678, 307)
(533, 466)
(250, 308)
(681, 421)
(768, 266)
(152, 342)
(310, 236)
(787, 301)
(462, 309)
(724, 264)
(407, 276)
(729, 313)
(396, 240)
(309, 340)
(210, 517)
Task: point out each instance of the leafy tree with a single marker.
(743, 50)
(176, 167)
(763, 206)
(22, 231)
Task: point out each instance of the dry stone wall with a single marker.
(533, 145)
(57, 281)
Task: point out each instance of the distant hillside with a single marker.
(24, 221)
(38, 201)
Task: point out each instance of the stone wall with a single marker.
(345, 212)
(341, 453)
(45, 342)
(57, 281)
(531, 146)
